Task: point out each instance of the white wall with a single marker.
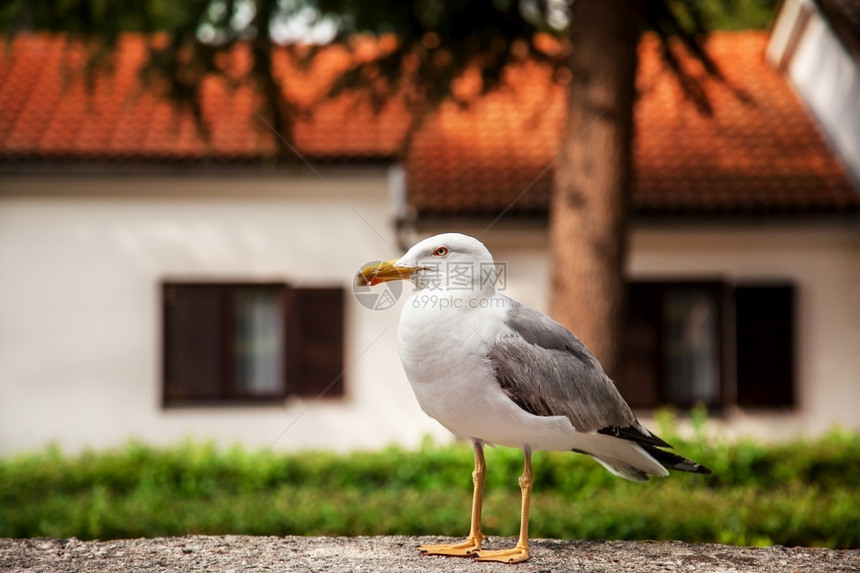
(80, 310)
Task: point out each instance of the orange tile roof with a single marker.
(764, 156)
(759, 154)
(477, 160)
(46, 112)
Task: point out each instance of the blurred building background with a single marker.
(157, 283)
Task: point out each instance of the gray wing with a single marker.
(547, 371)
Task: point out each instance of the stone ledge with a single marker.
(398, 553)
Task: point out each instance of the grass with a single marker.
(800, 493)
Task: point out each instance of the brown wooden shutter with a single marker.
(194, 342)
(641, 359)
(765, 344)
(315, 339)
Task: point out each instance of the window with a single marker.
(246, 342)
(708, 342)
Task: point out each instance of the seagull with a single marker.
(496, 372)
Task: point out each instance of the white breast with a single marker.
(444, 352)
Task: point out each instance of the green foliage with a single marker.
(799, 493)
(729, 14)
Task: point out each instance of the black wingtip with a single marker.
(673, 461)
(634, 434)
(703, 470)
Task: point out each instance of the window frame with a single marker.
(227, 390)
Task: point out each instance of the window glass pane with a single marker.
(259, 341)
(691, 343)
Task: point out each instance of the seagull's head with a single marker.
(447, 262)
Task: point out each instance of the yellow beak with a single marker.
(376, 273)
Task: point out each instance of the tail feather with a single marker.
(634, 459)
(623, 470)
(673, 461)
(653, 462)
(634, 455)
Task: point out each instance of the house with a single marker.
(817, 46)
(158, 284)
(114, 210)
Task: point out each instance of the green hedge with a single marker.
(799, 493)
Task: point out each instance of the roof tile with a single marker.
(759, 153)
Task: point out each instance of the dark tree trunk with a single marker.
(592, 187)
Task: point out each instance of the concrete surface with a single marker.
(398, 553)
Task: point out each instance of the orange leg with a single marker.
(473, 542)
(520, 552)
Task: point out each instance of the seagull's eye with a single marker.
(440, 251)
